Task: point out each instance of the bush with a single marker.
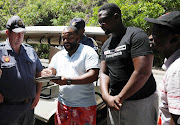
(42, 50)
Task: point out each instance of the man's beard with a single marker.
(155, 49)
(107, 32)
(73, 46)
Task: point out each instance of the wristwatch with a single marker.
(68, 81)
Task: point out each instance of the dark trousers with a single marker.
(16, 114)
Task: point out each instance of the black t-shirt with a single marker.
(118, 54)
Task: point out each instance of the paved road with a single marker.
(158, 75)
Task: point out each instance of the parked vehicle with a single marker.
(46, 108)
(47, 105)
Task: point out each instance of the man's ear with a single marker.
(81, 31)
(116, 15)
(78, 38)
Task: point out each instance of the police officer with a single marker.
(80, 25)
(19, 65)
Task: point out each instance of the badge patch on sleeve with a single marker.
(6, 58)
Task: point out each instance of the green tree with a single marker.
(60, 12)
(57, 12)
(9, 8)
(133, 12)
(168, 5)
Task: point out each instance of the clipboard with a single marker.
(47, 78)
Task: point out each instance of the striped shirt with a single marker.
(170, 88)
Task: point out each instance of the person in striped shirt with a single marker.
(166, 35)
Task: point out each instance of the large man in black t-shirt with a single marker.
(126, 64)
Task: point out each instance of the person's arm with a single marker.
(1, 98)
(141, 73)
(104, 83)
(91, 65)
(89, 77)
(0, 72)
(38, 91)
(48, 72)
(175, 119)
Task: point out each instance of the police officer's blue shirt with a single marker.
(17, 82)
(88, 41)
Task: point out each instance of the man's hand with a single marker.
(1, 98)
(35, 101)
(113, 102)
(46, 72)
(62, 81)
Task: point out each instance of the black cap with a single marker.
(78, 23)
(15, 24)
(171, 19)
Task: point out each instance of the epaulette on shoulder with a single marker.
(27, 45)
(94, 41)
(2, 44)
(89, 38)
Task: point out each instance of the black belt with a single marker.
(16, 103)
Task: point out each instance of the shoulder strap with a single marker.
(94, 41)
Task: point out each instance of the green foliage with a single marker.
(93, 20)
(47, 12)
(42, 50)
(60, 12)
(168, 5)
(133, 14)
(9, 8)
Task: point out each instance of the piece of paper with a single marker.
(47, 78)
